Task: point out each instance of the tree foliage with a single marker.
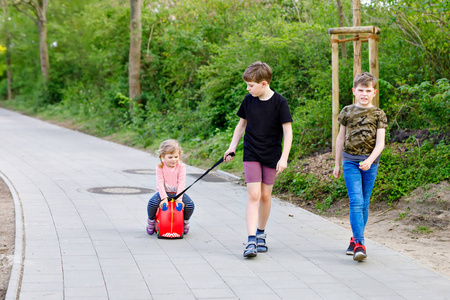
(195, 51)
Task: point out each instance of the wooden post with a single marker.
(354, 30)
(372, 32)
(335, 90)
(357, 43)
(341, 24)
(373, 65)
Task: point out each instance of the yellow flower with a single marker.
(2, 49)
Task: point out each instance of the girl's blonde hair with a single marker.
(168, 147)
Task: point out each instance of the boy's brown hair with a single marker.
(365, 79)
(258, 72)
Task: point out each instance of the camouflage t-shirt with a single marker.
(361, 128)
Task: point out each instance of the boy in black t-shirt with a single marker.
(264, 118)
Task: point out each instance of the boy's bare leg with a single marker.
(264, 205)
(251, 211)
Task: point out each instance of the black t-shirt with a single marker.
(264, 131)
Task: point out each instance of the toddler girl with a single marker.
(170, 180)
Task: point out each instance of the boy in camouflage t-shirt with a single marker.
(359, 145)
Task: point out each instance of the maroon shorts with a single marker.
(255, 172)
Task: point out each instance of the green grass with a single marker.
(402, 215)
(422, 229)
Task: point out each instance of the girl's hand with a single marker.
(166, 201)
(337, 171)
(365, 165)
(180, 201)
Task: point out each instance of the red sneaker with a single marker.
(351, 248)
(360, 252)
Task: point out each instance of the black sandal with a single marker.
(250, 250)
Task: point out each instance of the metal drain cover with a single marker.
(120, 190)
(141, 171)
(208, 177)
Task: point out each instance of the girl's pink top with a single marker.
(171, 180)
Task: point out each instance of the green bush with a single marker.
(402, 172)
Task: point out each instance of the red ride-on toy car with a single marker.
(170, 221)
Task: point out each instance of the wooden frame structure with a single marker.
(361, 34)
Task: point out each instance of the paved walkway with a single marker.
(75, 244)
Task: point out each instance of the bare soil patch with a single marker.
(7, 236)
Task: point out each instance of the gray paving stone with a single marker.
(35, 295)
(142, 294)
(173, 296)
(95, 292)
(83, 278)
(82, 245)
(42, 287)
(81, 263)
(297, 293)
(213, 293)
(39, 266)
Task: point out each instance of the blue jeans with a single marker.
(359, 188)
(154, 202)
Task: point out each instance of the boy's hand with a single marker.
(337, 171)
(227, 157)
(365, 165)
(165, 200)
(281, 166)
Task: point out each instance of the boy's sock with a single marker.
(252, 238)
(259, 231)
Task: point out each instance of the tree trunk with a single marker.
(43, 49)
(135, 51)
(37, 11)
(341, 24)
(8, 50)
(9, 73)
(356, 44)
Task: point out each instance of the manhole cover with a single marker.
(141, 171)
(120, 190)
(208, 177)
